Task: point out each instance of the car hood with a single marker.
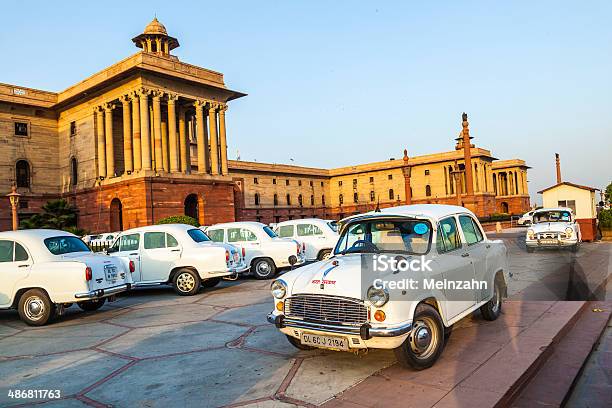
(339, 276)
(550, 227)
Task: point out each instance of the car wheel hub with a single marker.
(34, 308)
(423, 338)
(185, 282)
(263, 268)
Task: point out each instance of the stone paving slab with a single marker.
(254, 314)
(69, 372)
(203, 379)
(155, 316)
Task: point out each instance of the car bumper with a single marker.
(102, 293)
(365, 331)
(536, 243)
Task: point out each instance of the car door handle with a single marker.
(465, 255)
(175, 250)
(23, 266)
(134, 254)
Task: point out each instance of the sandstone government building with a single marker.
(146, 138)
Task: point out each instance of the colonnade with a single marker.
(160, 139)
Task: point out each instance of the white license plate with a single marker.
(330, 342)
(110, 273)
(549, 241)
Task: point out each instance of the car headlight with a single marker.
(530, 233)
(378, 297)
(278, 289)
(569, 231)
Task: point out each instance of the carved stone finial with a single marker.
(464, 117)
(405, 155)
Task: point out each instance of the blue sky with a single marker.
(346, 82)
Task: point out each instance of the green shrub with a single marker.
(605, 219)
(495, 217)
(179, 219)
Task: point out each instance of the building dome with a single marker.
(155, 27)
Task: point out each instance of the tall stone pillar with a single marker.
(214, 146)
(157, 136)
(183, 142)
(136, 132)
(164, 139)
(128, 162)
(145, 137)
(223, 140)
(110, 146)
(101, 141)
(201, 137)
(173, 142)
(467, 153)
(406, 171)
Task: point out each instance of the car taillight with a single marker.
(132, 266)
(88, 274)
(303, 247)
(298, 248)
(227, 256)
(243, 252)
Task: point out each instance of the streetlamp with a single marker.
(14, 199)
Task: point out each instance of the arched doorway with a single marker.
(116, 215)
(191, 206)
(504, 207)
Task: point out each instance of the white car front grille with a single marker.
(326, 309)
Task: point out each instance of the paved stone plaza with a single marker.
(152, 348)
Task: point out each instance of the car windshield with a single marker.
(374, 236)
(198, 235)
(65, 245)
(551, 216)
(270, 232)
(333, 225)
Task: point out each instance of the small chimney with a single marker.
(558, 164)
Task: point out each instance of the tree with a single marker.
(179, 219)
(57, 214)
(608, 193)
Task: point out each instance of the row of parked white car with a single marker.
(176, 254)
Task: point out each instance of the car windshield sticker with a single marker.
(421, 228)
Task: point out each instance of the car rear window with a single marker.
(285, 231)
(65, 245)
(197, 235)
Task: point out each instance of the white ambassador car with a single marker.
(265, 252)
(44, 271)
(177, 254)
(318, 237)
(351, 302)
(553, 228)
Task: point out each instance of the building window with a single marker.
(74, 171)
(340, 183)
(273, 181)
(288, 199)
(323, 200)
(371, 179)
(372, 196)
(311, 183)
(391, 195)
(22, 173)
(427, 172)
(321, 184)
(256, 180)
(390, 176)
(300, 183)
(73, 128)
(256, 198)
(275, 199)
(287, 182)
(21, 129)
(568, 203)
(355, 197)
(354, 183)
(428, 190)
(300, 201)
(311, 200)
(341, 199)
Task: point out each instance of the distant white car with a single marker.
(265, 252)
(44, 271)
(317, 236)
(177, 254)
(553, 228)
(105, 238)
(526, 219)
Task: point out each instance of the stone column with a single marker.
(101, 142)
(407, 172)
(174, 158)
(214, 148)
(223, 140)
(110, 146)
(145, 137)
(128, 162)
(201, 137)
(157, 136)
(164, 144)
(136, 132)
(183, 142)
